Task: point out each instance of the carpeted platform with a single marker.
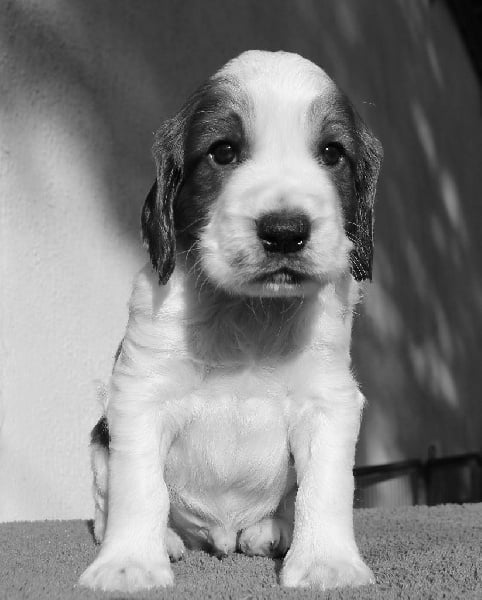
(415, 553)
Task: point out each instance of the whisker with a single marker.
(195, 222)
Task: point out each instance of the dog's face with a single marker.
(266, 179)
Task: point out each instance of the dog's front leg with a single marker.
(323, 553)
(133, 555)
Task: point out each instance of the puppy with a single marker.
(232, 413)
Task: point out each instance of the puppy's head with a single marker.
(266, 178)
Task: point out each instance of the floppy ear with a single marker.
(370, 154)
(157, 218)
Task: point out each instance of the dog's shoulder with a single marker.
(156, 313)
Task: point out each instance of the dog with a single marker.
(232, 412)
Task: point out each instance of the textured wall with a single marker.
(84, 84)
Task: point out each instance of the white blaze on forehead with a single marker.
(283, 72)
(281, 87)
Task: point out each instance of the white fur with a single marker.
(219, 382)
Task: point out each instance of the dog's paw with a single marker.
(174, 544)
(269, 537)
(325, 574)
(222, 541)
(127, 574)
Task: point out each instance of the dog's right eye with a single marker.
(332, 154)
(223, 153)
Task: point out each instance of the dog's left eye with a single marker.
(332, 154)
(223, 153)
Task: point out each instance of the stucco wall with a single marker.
(83, 86)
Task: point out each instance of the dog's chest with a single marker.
(240, 369)
(229, 466)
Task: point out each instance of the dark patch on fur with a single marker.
(157, 217)
(217, 118)
(178, 200)
(366, 175)
(355, 177)
(100, 435)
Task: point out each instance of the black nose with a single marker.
(283, 232)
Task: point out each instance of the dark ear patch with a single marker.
(158, 223)
(157, 218)
(335, 120)
(158, 232)
(368, 161)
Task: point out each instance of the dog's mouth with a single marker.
(282, 282)
(281, 277)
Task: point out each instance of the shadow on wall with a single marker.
(107, 74)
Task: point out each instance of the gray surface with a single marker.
(415, 552)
